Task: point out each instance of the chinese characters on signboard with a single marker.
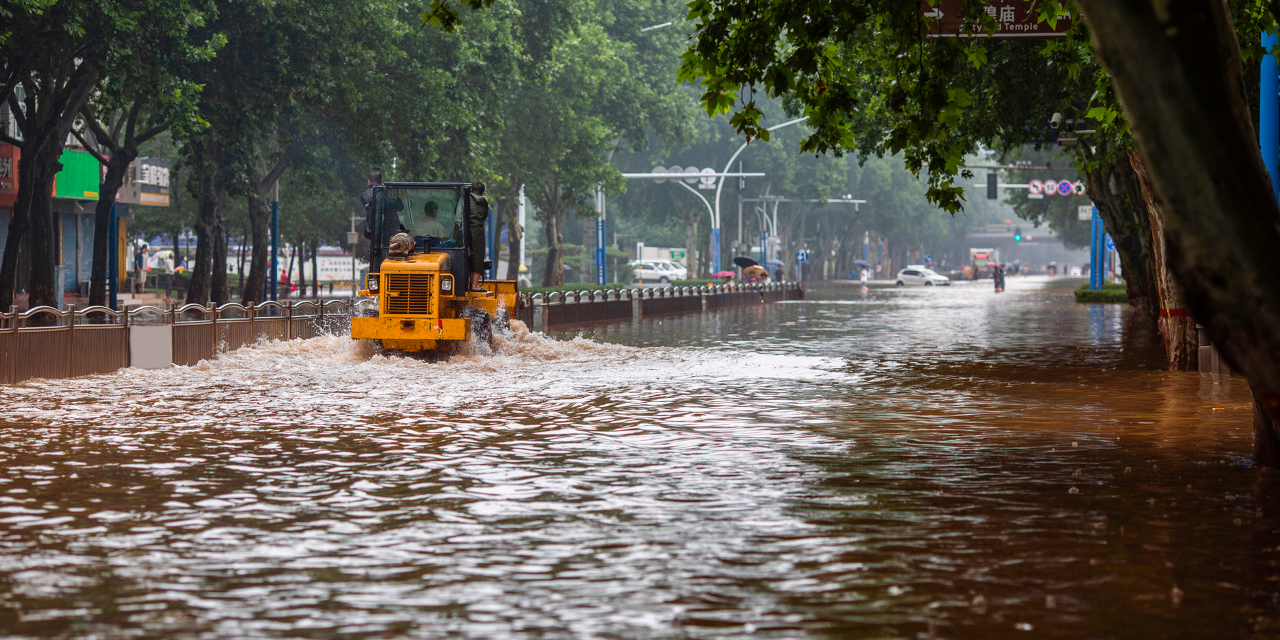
(146, 183)
(1013, 19)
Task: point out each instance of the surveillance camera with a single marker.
(1055, 121)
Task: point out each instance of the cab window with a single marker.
(431, 212)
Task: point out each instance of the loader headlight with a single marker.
(371, 283)
(446, 284)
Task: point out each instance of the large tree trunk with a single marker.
(210, 186)
(259, 216)
(117, 165)
(19, 224)
(553, 272)
(1115, 190)
(693, 254)
(1177, 328)
(219, 293)
(44, 230)
(510, 212)
(1177, 72)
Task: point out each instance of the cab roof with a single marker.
(427, 185)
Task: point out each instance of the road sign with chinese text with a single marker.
(1013, 19)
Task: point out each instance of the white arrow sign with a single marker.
(936, 13)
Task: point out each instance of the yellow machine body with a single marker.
(419, 306)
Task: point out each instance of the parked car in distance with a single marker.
(916, 274)
(655, 271)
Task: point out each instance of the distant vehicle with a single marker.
(917, 274)
(982, 261)
(657, 271)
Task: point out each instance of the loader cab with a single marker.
(436, 215)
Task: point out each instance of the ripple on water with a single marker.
(867, 466)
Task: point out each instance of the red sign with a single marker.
(1013, 19)
(9, 155)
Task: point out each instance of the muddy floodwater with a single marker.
(940, 462)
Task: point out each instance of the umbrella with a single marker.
(723, 274)
(755, 272)
(862, 263)
(776, 263)
(744, 262)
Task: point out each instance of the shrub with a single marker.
(1110, 293)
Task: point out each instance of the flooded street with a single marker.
(931, 462)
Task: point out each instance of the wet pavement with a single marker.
(943, 462)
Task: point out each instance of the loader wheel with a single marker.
(482, 329)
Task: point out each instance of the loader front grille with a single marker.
(410, 293)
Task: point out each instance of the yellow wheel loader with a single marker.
(419, 271)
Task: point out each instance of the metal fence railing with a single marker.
(45, 342)
(544, 311)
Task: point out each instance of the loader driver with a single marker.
(432, 225)
(479, 213)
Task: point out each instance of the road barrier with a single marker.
(542, 312)
(47, 343)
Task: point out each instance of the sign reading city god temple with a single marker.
(1013, 19)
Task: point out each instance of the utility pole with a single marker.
(353, 239)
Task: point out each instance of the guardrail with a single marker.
(44, 342)
(543, 311)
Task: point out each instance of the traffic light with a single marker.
(1017, 234)
(993, 191)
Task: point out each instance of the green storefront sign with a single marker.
(80, 176)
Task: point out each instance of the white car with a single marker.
(916, 274)
(656, 271)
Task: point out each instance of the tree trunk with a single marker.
(200, 290)
(117, 165)
(259, 216)
(1177, 328)
(315, 269)
(1115, 190)
(511, 215)
(19, 224)
(218, 290)
(693, 253)
(553, 272)
(299, 256)
(44, 229)
(1179, 77)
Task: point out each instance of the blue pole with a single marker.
(1093, 250)
(715, 249)
(1269, 113)
(113, 262)
(764, 251)
(602, 275)
(275, 250)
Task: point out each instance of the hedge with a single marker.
(1111, 293)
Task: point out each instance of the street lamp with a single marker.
(660, 174)
(715, 216)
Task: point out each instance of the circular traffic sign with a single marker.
(1065, 188)
(707, 182)
(1050, 187)
(1036, 187)
(1079, 187)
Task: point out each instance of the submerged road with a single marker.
(902, 463)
